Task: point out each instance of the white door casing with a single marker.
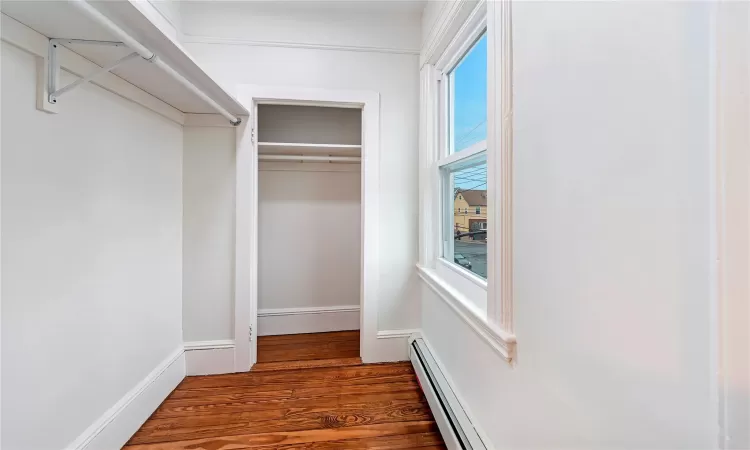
(246, 250)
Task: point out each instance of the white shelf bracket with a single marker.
(49, 89)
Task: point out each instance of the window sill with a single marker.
(501, 342)
(469, 275)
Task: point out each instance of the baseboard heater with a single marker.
(455, 426)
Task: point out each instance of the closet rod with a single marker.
(310, 158)
(150, 56)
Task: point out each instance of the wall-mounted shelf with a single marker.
(290, 148)
(68, 20)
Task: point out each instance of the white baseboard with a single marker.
(209, 357)
(393, 345)
(121, 421)
(307, 320)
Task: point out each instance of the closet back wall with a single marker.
(314, 56)
(309, 249)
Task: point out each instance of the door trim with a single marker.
(246, 251)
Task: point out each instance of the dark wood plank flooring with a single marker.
(306, 347)
(307, 391)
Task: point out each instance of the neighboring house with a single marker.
(470, 213)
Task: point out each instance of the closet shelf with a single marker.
(74, 21)
(311, 158)
(291, 148)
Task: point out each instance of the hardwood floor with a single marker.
(308, 391)
(305, 347)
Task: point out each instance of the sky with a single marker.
(470, 111)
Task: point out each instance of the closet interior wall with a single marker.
(309, 219)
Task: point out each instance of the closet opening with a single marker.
(309, 225)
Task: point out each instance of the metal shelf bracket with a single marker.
(50, 92)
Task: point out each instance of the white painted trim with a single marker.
(465, 38)
(162, 14)
(430, 240)
(452, 385)
(500, 165)
(118, 423)
(209, 345)
(209, 357)
(469, 275)
(246, 269)
(317, 319)
(25, 38)
(246, 246)
(393, 345)
(268, 312)
(398, 334)
(446, 26)
(209, 120)
(436, 24)
(195, 39)
(470, 152)
(156, 16)
(463, 281)
(502, 342)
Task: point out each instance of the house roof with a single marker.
(475, 197)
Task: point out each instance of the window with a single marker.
(467, 102)
(464, 165)
(467, 110)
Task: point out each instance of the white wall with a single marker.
(309, 232)
(208, 227)
(733, 142)
(391, 26)
(394, 75)
(612, 300)
(91, 220)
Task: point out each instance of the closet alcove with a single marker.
(309, 219)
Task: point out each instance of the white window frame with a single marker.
(486, 305)
(459, 48)
(447, 214)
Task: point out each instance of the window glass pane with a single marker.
(468, 105)
(466, 203)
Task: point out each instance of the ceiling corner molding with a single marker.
(449, 21)
(154, 4)
(217, 40)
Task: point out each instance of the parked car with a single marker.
(462, 261)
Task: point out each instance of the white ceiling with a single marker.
(411, 7)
